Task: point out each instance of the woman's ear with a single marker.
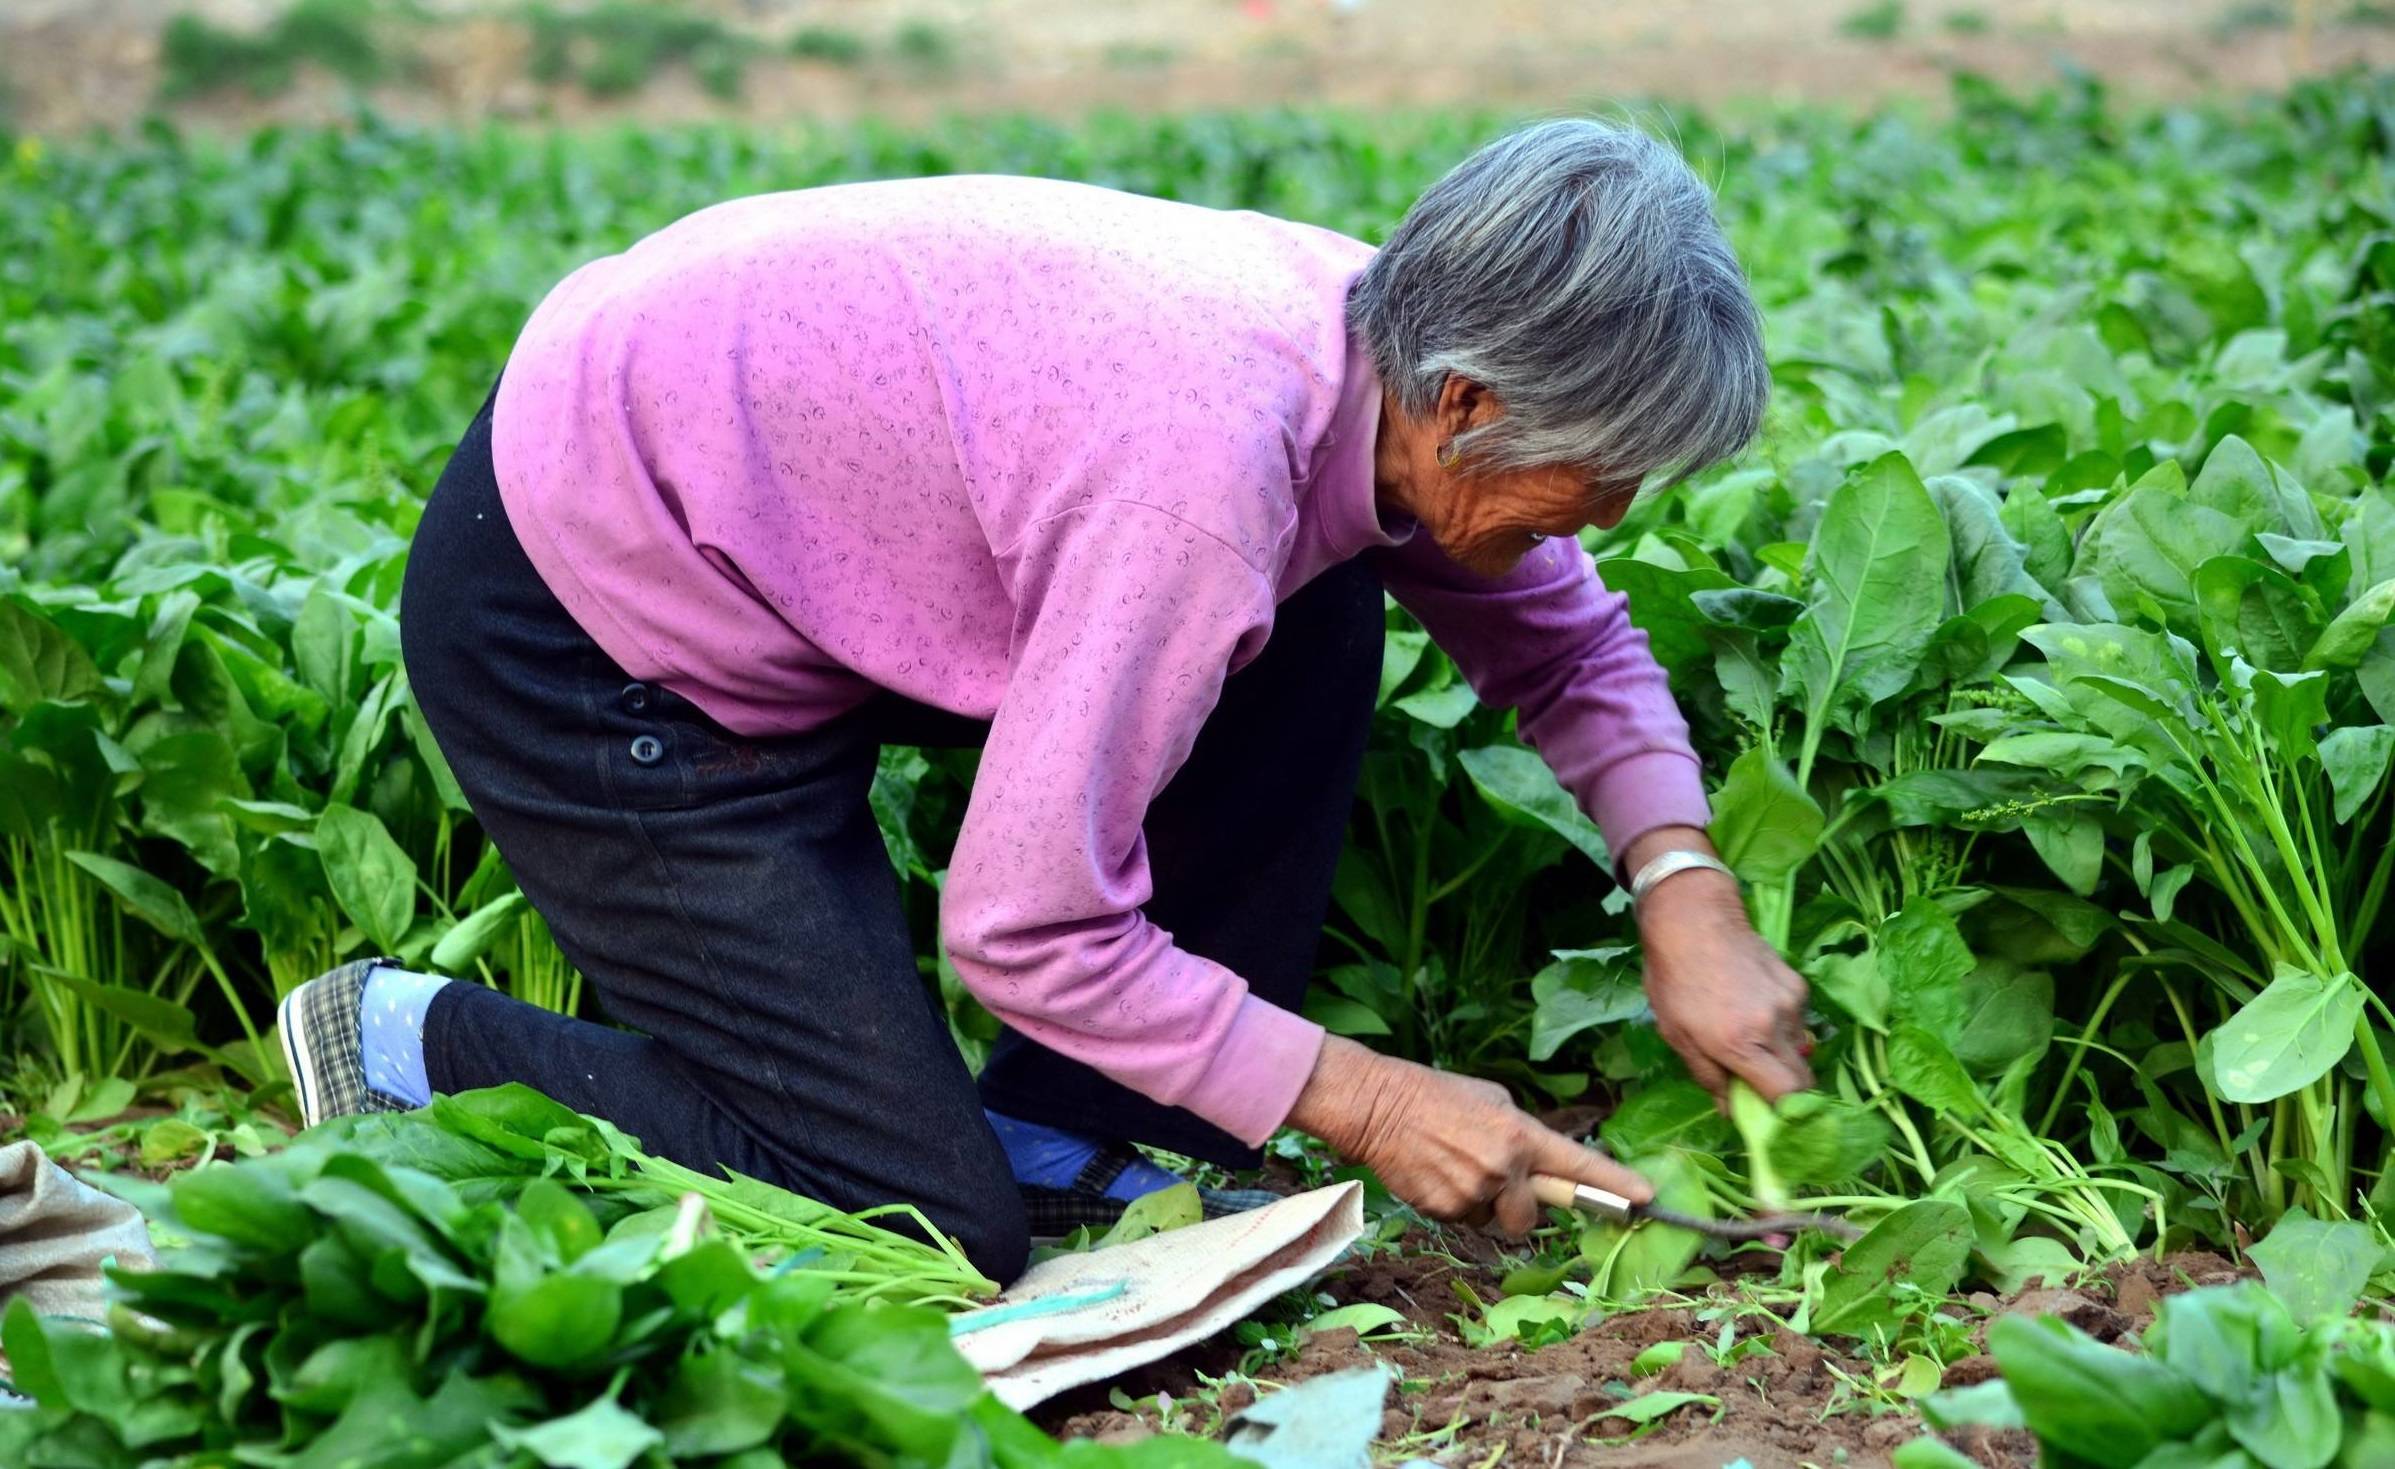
(1463, 404)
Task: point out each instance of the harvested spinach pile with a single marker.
(454, 1288)
(489, 1144)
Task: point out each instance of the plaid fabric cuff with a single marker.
(1057, 1212)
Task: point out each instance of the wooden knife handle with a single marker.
(1563, 1193)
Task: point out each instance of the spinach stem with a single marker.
(2087, 1035)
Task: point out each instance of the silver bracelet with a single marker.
(1671, 864)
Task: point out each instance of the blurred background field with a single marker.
(67, 65)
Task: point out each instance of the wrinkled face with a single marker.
(1485, 520)
(1486, 523)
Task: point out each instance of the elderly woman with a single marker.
(1110, 487)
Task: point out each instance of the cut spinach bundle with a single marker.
(331, 1306)
(494, 1143)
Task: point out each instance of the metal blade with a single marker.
(1752, 1229)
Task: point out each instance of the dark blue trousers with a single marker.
(734, 911)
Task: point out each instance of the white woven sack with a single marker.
(1085, 1318)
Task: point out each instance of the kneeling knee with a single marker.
(993, 1230)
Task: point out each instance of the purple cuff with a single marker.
(1637, 795)
(1266, 1058)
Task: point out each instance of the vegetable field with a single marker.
(2039, 653)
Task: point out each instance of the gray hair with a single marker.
(1575, 270)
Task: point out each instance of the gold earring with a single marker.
(1447, 455)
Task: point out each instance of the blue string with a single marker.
(1037, 1306)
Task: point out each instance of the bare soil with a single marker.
(67, 65)
(1549, 1407)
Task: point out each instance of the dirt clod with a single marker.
(2139, 1285)
(1694, 1372)
(1547, 1397)
(2000, 1448)
(2136, 1298)
(2096, 1319)
(1969, 1372)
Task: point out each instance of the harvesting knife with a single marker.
(1587, 1198)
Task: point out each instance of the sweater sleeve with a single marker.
(1549, 641)
(1127, 621)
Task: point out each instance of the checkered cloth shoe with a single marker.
(319, 1025)
(1057, 1212)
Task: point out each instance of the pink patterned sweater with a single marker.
(1050, 455)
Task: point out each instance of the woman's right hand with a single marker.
(1451, 1146)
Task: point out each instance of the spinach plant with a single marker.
(331, 1304)
(2234, 788)
(2229, 1376)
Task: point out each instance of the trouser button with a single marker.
(647, 749)
(635, 697)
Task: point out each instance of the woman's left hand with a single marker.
(1722, 998)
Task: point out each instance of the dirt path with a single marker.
(70, 64)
